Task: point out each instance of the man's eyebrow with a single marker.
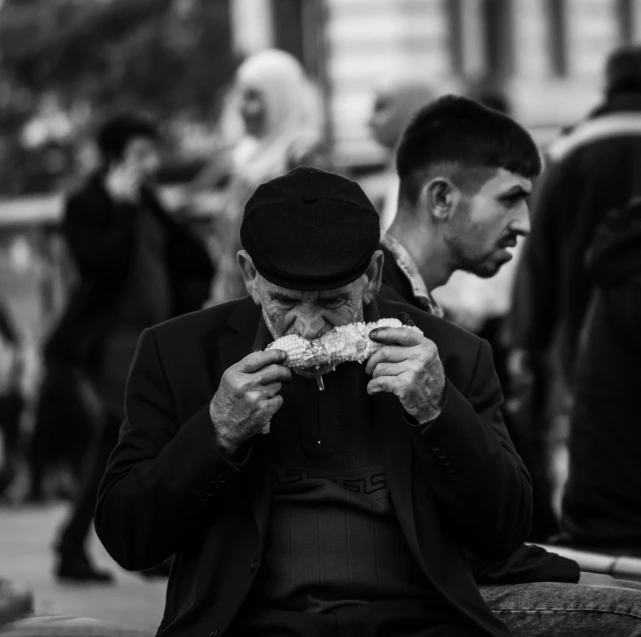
(517, 190)
(279, 296)
(340, 296)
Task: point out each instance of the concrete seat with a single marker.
(610, 562)
(47, 625)
(18, 619)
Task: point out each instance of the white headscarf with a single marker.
(292, 114)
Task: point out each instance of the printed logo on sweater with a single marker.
(292, 479)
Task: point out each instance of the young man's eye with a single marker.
(513, 200)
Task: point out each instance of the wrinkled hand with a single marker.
(248, 397)
(409, 367)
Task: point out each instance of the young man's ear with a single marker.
(250, 275)
(374, 274)
(439, 197)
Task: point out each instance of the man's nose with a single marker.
(309, 325)
(521, 222)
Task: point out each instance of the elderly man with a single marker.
(465, 174)
(352, 515)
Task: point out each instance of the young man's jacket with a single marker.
(101, 237)
(402, 282)
(455, 483)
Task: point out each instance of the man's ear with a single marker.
(250, 275)
(439, 197)
(374, 274)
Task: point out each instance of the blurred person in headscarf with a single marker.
(396, 100)
(275, 114)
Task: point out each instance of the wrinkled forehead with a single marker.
(274, 291)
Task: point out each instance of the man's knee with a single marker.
(571, 610)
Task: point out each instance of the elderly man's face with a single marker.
(311, 314)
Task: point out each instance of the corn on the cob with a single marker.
(342, 344)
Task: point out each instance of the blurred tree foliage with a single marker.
(171, 58)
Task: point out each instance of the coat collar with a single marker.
(243, 324)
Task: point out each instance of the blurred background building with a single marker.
(66, 63)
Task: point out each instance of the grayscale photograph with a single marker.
(320, 318)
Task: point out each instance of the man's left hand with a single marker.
(408, 366)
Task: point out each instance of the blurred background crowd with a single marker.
(242, 91)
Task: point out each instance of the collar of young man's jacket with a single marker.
(406, 264)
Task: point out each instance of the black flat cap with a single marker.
(310, 230)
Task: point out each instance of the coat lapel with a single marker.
(243, 324)
(398, 461)
(394, 439)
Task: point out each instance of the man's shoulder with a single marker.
(87, 198)
(87, 187)
(190, 325)
(600, 130)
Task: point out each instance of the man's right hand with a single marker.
(248, 397)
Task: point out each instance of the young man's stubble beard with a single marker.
(461, 250)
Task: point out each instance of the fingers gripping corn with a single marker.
(344, 343)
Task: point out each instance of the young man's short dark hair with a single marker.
(117, 131)
(468, 139)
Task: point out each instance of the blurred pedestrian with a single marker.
(12, 402)
(602, 500)
(136, 267)
(465, 173)
(277, 111)
(588, 173)
(396, 99)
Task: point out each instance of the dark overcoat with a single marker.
(456, 483)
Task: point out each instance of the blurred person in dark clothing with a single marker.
(602, 500)
(587, 175)
(12, 402)
(465, 175)
(136, 267)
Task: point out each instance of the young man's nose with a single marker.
(521, 222)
